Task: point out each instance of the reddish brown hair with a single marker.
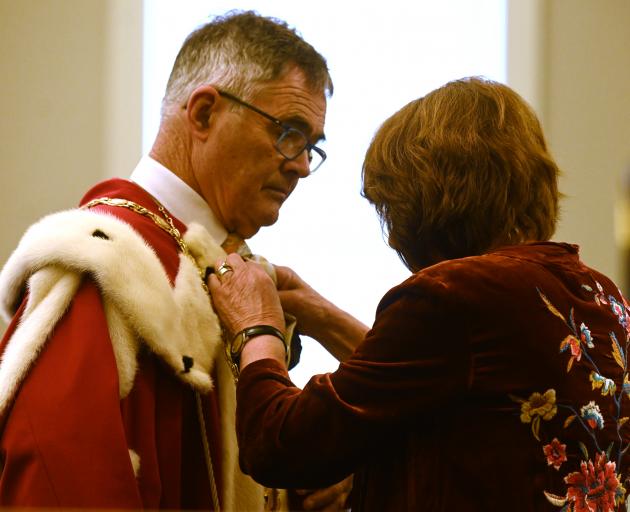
(461, 171)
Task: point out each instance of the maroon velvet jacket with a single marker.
(486, 383)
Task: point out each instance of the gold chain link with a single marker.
(169, 226)
(165, 224)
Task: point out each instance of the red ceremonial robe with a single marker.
(68, 440)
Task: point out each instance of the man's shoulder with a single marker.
(118, 188)
(130, 203)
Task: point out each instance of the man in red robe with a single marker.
(114, 388)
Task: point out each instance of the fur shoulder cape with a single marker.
(140, 305)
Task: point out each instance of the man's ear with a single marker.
(200, 108)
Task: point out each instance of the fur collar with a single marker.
(139, 302)
(140, 305)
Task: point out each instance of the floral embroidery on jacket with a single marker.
(556, 453)
(597, 486)
(538, 407)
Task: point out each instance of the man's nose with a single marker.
(301, 165)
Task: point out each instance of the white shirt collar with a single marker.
(176, 196)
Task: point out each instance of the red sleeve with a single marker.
(63, 443)
(412, 360)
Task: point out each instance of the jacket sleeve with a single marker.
(63, 442)
(413, 360)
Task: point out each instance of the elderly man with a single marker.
(114, 386)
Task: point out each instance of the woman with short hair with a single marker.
(494, 378)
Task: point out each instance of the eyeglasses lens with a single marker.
(292, 142)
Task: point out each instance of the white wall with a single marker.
(326, 231)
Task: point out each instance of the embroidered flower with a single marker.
(572, 343)
(619, 311)
(585, 336)
(600, 298)
(556, 453)
(592, 415)
(539, 406)
(596, 487)
(625, 307)
(576, 348)
(598, 381)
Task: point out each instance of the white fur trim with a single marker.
(140, 306)
(125, 346)
(135, 462)
(202, 246)
(53, 291)
(139, 302)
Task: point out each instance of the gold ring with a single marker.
(223, 269)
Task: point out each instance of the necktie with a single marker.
(234, 243)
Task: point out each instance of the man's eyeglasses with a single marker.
(291, 142)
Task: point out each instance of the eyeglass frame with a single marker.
(308, 146)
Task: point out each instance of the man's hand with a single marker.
(330, 499)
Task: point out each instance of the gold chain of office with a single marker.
(166, 224)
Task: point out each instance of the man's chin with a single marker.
(261, 221)
(270, 220)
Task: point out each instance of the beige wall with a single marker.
(571, 60)
(588, 113)
(70, 97)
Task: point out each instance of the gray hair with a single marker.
(238, 52)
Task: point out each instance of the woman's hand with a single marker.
(302, 301)
(337, 331)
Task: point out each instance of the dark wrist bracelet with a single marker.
(234, 349)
